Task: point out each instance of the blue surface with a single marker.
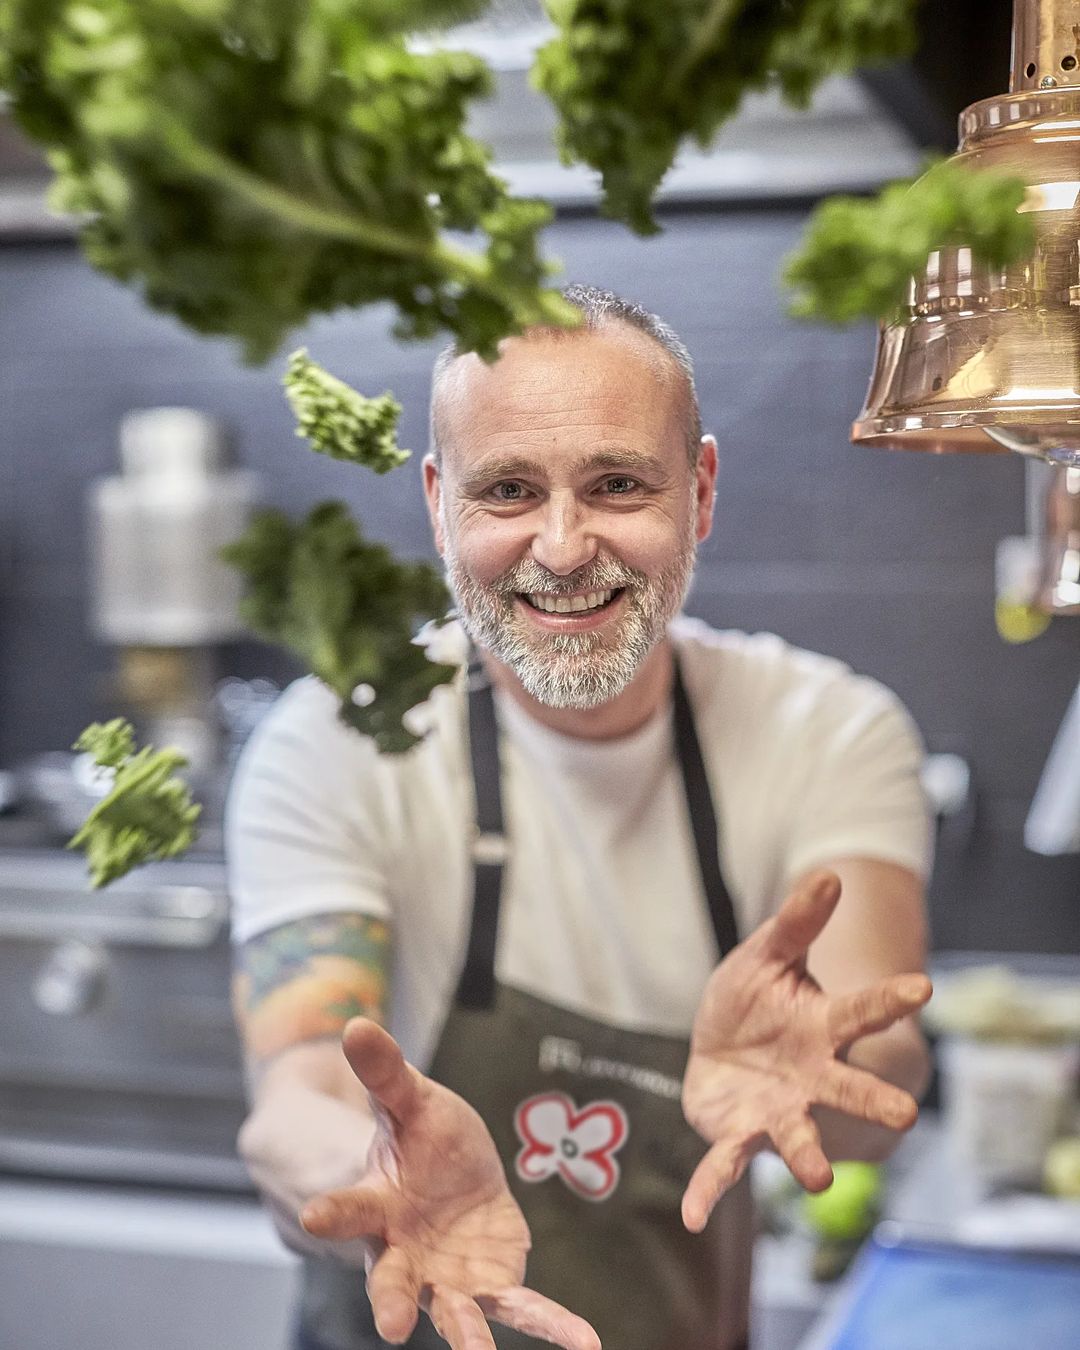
(913, 1297)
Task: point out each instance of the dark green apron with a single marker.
(588, 1121)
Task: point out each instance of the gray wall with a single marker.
(885, 560)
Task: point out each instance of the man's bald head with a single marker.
(599, 309)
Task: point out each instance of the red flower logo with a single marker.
(578, 1145)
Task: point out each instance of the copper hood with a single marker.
(983, 359)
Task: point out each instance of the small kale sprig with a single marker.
(148, 813)
(858, 255)
(631, 79)
(339, 421)
(348, 609)
(251, 163)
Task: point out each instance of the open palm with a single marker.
(768, 1045)
(445, 1232)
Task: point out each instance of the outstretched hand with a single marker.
(446, 1235)
(768, 1044)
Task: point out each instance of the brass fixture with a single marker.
(986, 359)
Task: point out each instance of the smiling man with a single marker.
(569, 529)
(645, 901)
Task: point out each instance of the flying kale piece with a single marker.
(348, 609)
(339, 421)
(148, 813)
(858, 255)
(631, 79)
(248, 164)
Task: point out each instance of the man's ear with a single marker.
(705, 474)
(433, 497)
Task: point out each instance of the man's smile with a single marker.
(588, 609)
(570, 604)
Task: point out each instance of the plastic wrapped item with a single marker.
(155, 532)
(1004, 1104)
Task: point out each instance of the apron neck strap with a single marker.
(476, 987)
(703, 818)
(490, 849)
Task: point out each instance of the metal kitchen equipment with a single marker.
(1059, 581)
(983, 359)
(126, 1216)
(119, 1060)
(160, 591)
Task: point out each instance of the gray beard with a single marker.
(571, 670)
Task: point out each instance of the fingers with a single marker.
(795, 1138)
(717, 1172)
(393, 1287)
(798, 1141)
(355, 1212)
(802, 916)
(874, 1009)
(864, 1095)
(534, 1315)
(376, 1059)
(458, 1320)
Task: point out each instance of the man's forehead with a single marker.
(612, 343)
(614, 365)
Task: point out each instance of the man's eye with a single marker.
(508, 492)
(619, 485)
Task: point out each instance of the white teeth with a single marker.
(569, 604)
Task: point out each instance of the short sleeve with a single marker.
(303, 833)
(863, 794)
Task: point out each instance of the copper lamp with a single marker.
(985, 359)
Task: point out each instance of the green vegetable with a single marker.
(348, 609)
(858, 256)
(847, 1209)
(110, 743)
(632, 78)
(339, 421)
(148, 813)
(251, 163)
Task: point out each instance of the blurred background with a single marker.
(120, 1088)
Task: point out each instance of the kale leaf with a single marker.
(250, 163)
(349, 609)
(148, 813)
(632, 78)
(858, 255)
(339, 421)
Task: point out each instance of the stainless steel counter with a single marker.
(119, 1059)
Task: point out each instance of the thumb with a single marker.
(376, 1059)
(802, 917)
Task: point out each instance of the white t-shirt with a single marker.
(603, 910)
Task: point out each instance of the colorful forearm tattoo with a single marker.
(304, 980)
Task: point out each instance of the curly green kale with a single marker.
(110, 743)
(858, 255)
(250, 163)
(148, 813)
(349, 609)
(632, 78)
(338, 420)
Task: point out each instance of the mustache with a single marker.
(602, 574)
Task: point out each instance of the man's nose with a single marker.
(564, 539)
